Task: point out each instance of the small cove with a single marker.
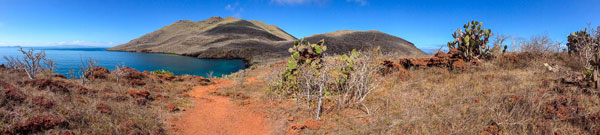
(70, 58)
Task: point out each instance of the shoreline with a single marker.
(247, 63)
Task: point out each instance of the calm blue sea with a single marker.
(70, 58)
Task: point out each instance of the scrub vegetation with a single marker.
(479, 86)
(34, 100)
(538, 87)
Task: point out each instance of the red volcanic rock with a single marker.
(455, 53)
(66, 132)
(52, 85)
(312, 124)
(491, 129)
(459, 65)
(146, 73)
(51, 132)
(136, 82)
(172, 108)
(7, 131)
(103, 108)
(562, 107)
(11, 92)
(141, 101)
(199, 79)
(154, 88)
(129, 126)
(138, 93)
(40, 123)
(97, 73)
(59, 76)
(166, 77)
(145, 51)
(80, 100)
(83, 90)
(452, 60)
(161, 97)
(131, 73)
(294, 129)
(413, 62)
(441, 54)
(114, 97)
(43, 102)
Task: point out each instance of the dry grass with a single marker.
(436, 101)
(127, 114)
(513, 94)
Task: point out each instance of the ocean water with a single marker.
(70, 58)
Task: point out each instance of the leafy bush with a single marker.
(346, 79)
(585, 46)
(303, 53)
(162, 71)
(472, 42)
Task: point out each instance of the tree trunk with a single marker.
(595, 78)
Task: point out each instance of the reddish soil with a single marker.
(217, 115)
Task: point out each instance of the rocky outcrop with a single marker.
(453, 60)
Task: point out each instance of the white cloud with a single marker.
(298, 2)
(235, 9)
(318, 2)
(361, 2)
(75, 42)
(231, 7)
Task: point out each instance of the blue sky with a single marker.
(427, 23)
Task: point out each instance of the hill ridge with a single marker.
(251, 40)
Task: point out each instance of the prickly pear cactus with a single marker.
(586, 47)
(343, 71)
(303, 54)
(472, 42)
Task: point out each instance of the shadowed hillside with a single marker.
(339, 42)
(254, 41)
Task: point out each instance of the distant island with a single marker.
(253, 41)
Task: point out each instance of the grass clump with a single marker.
(162, 72)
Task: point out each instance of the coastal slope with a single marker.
(254, 41)
(344, 41)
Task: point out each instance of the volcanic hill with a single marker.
(254, 41)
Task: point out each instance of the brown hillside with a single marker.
(344, 41)
(251, 40)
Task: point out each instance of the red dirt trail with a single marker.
(218, 115)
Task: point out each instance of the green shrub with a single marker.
(162, 71)
(344, 70)
(342, 80)
(472, 42)
(303, 54)
(585, 46)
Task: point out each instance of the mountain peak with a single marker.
(253, 40)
